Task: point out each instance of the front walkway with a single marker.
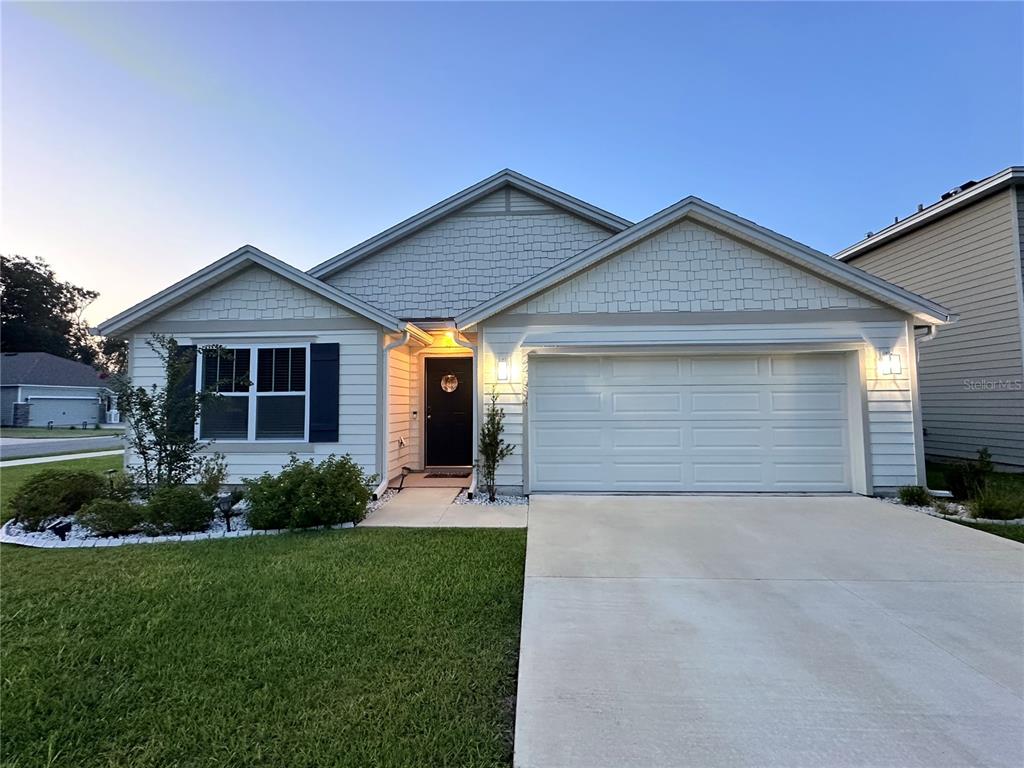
(767, 631)
(434, 508)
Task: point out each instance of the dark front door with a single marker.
(449, 411)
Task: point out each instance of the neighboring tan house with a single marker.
(965, 251)
(38, 389)
(692, 351)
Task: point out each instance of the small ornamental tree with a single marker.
(493, 448)
(161, 420)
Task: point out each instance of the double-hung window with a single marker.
(263, 393)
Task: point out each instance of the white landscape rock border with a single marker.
(80, 538)
(963, 514)
(480, 498)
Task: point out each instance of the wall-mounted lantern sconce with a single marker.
(503, 370)
(888, 363)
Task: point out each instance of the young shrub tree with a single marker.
(161, 420)
(493, 448)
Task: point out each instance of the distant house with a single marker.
(965, 252)
(37, 389)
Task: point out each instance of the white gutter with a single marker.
(401, 341)
(476, 405)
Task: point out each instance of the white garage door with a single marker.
(665, 423)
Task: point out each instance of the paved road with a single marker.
(21, 447)
(769, 632)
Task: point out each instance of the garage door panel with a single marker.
(631, 404)
(809, 437)
(814, 402)
(623, 370)
(809, 368)
(643, 473)
(719, 436)
(647, 437)
(569, 404)
(714, 403)
(723, 368)
(727, 424)
(553, 437)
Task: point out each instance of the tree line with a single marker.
(41, 313)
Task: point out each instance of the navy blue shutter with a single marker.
(179, 391)
(323, 393)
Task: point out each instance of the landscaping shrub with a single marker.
(968, 479)
(177, 509)
(211, 476)
(914, 496)
(273, 498)
(54, 493)
(998, 504)
(121, 487)
(305, 494)
(112, 517)
(336, 492)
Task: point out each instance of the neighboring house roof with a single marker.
(709, 215)
(234, 262)
(460, 200)
(966, 194)
(44, 369)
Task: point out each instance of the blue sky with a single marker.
(142, 141)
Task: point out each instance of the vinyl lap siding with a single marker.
(970, 262)
(401, 405)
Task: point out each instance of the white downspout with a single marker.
(929, 334)
(385, 407)
(476, 395)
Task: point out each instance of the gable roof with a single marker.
(42, 368)
(234, 262)
(704, 213)
(954, 202)
(462, 199)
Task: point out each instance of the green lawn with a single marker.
(12, 477)
(348, 648)
(1014, 532)
(41, 432)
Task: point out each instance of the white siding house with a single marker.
(691, 352)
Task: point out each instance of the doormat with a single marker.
(441, 475)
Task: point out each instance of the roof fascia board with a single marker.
(225, 267)
(991, 185)
(460, 200)
(777, 244)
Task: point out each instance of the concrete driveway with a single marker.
(767, 631)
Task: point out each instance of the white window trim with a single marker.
(254, 395)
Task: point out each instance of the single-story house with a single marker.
(38, 389)
(967, 251)
(691, 351)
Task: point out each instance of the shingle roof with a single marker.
(44, 368)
